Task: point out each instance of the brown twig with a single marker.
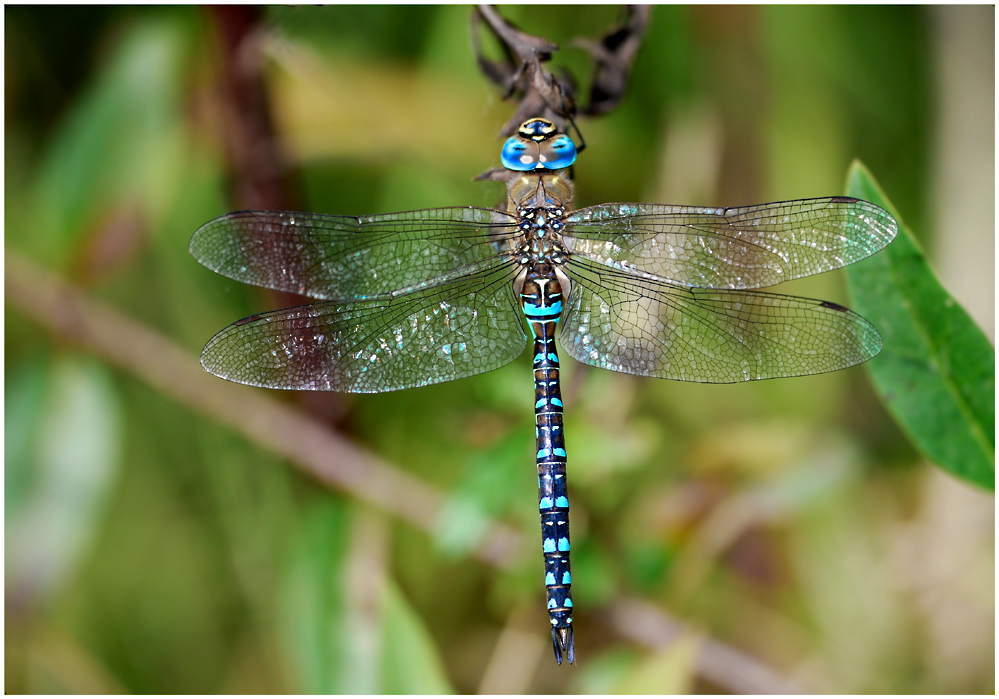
(258, 172)
(319, 452)
(718, 663)
(613, 56)
(256, 165)
(543, 94)
(309, 445)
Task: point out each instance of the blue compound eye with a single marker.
(558, 153)
(520, 155)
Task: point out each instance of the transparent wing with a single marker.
(464, 327)
(647, 327)
(346, 257)
(738, 248)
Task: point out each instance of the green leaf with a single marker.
(348, 629)
(936, 374)
(119, 145)
(65, 422)
(313, 613)
(488, 488)
(410, 661)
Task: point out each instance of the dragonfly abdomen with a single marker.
(541, 300)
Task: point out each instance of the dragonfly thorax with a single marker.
(539, 191)
(540, 202)
(542, 241)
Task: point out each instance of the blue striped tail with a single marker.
(541, 300)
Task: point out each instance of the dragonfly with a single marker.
(416, 298)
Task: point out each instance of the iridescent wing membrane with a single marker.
(659, 290)
(412, 298)
(422, 297)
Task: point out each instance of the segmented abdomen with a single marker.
(541, 300)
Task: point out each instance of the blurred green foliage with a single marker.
(149, 550)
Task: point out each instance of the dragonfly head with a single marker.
(538, 146)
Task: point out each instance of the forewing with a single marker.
(350, 257)
(384, 343)
(747, 247)
(642, 326)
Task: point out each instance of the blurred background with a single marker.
(780, 535)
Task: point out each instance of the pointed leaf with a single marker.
(936, 374)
